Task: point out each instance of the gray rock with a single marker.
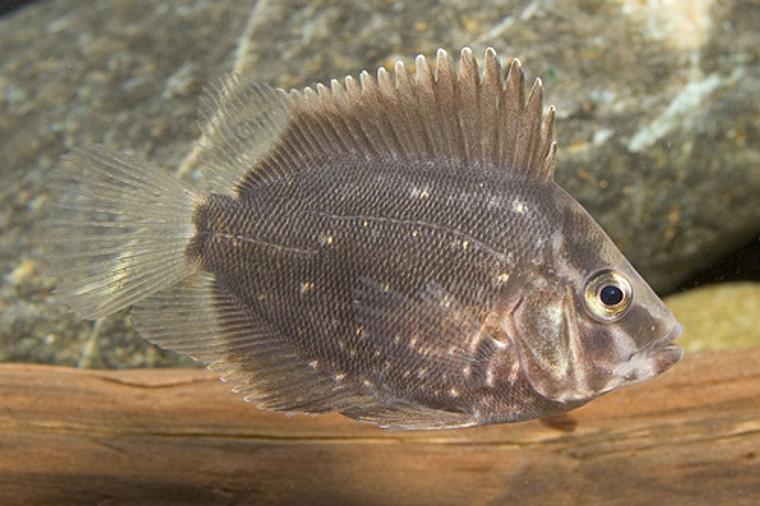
(657, 115)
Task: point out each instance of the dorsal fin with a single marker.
(240, 121)
(479, 117)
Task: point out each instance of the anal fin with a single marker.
(410, 417)
(200, 318)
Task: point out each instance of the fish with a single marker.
(391, 247)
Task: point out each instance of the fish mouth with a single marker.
(646, 363)
(666, 357)
(663, 352)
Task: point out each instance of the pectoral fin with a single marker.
(428, 347)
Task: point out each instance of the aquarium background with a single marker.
(658, 126)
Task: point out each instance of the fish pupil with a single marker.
(611, 295)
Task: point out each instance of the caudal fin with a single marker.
(116, 230)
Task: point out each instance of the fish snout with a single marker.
(664, 353)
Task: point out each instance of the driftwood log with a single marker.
(147, 437)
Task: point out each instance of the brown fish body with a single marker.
(343, 280)
(395, 251)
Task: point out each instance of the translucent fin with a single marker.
(240, 121)
(479, 117)
(407, 417)
(182, 319)
(198, 317)
(116, 230)
(434, 329)
(431, 333)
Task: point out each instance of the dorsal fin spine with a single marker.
(370, 93)
(325, 119)
(351, 126)
(424, 92)
(510, 113)
(393, 116)
(301, 125)
(353, 93)
(335, 122)
(492, 86)
(408, 101)
(445, 90)
(530, 126)
(468, 87)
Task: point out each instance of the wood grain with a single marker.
(176, 437)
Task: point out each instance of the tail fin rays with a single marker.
(116, 230)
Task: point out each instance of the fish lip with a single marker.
(667, 357)
(664, 342)
(664, 352)
(648, 362)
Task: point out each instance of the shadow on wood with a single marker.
(179, 437)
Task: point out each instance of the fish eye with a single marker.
(607, 295)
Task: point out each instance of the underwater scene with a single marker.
(457, 252)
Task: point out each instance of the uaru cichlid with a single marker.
(392, 247)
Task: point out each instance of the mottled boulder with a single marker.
(657, 115)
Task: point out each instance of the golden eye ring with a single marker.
(607, 295)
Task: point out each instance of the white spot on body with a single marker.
(490, 379)
(454, 392)
(518, 206)
(326, 239)
(419, 193)
(306, 286)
